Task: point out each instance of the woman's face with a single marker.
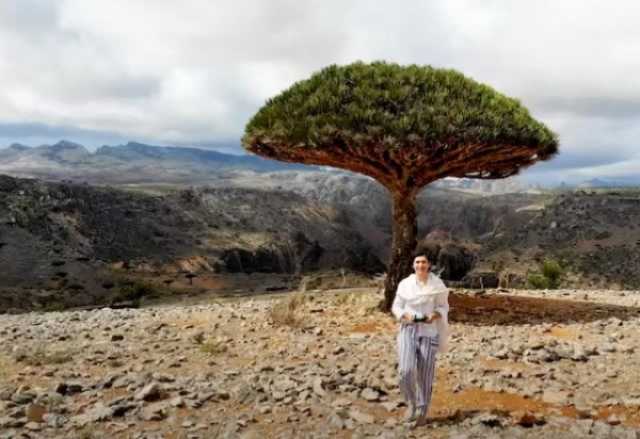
(421, 265)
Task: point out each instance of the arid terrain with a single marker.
(316, 363)
(66, 244)
(248, 308)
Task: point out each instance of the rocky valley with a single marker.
(65, 244)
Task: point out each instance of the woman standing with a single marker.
(421, 305)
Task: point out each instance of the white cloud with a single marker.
(196, 71)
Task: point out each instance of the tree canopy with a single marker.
(416, 121)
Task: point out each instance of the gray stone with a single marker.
(150, 392)
(341, 402)
(98, 413)
(369, 394)
(154, 412)
(9, 422)
(390, 405)
(317, 387)
(54, 420)
(6, 393)
(23, 397)
(33, 426)
(178, 401)
(336, 421)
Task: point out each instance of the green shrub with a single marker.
(549, 276)
(537, 281)
(552, 271)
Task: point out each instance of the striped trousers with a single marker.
(416, 366)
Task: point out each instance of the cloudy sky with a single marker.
(193, 72)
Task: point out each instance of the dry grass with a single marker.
(39, 355)
(4, 367)
(286, 312)
(363, 304)
(88, 432)
(213, 347)
(335, 280)
(345, 299)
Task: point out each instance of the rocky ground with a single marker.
(322, 364)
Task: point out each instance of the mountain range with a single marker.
(137, 163)
(130, 163)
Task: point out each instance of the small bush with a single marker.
(552, 271)
(537, 281)
(549, 277)
(285, 311)
(213, 347)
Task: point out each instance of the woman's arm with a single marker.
(398, 305)
(397, 309)
(441, 308)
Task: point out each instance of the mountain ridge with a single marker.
(132, 162)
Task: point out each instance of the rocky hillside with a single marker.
(561, 365)
(593, 233)
(69, 238)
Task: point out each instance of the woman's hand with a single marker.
(406, 317)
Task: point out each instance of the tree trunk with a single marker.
(405, 231)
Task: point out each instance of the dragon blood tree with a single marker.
(405, 126)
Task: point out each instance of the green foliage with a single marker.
(552, 271)
(537, 281)
(549, 277)
(396, 106)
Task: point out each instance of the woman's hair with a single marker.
(421, 252)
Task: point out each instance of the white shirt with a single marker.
(415, 298)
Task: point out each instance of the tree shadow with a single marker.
(505, 309)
